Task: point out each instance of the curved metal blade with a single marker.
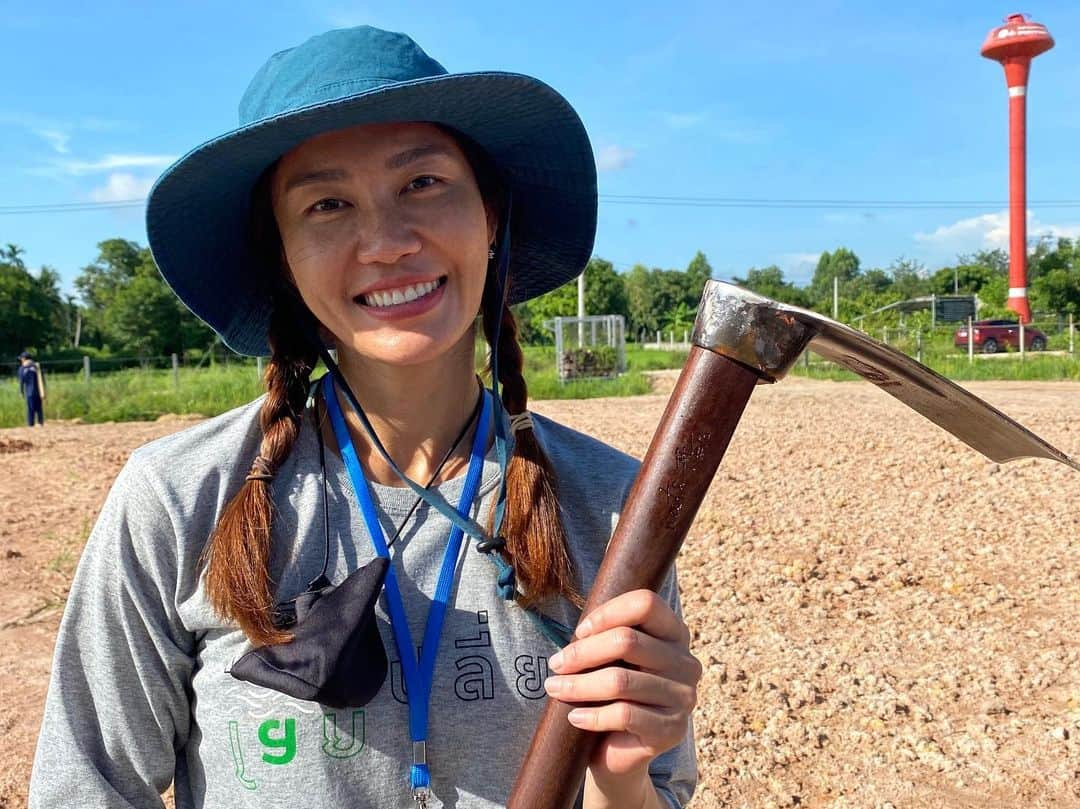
(946, 404)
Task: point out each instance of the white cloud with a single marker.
(798, 267)
(112, 162)
(614, 158)
(122, 187)
(683, 120)
(55, 138)
(991, 230)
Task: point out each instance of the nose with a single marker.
(385, 237)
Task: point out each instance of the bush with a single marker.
(580, 363)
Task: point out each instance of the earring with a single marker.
(491, 253)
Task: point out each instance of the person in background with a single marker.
(32, 387)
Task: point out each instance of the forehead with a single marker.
(367, 143)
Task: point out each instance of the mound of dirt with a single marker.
(9, 445)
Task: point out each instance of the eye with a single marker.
(327, 205)
(420, 183)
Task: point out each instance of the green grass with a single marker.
(143, 395)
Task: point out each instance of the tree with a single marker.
(31, 309)
(908, 278)
(605, 290)
(769, 281)
(842, 264)
(640, 298)
(697, 273)
(130, 308)
(964, 278)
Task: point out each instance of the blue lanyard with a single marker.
(418, 673)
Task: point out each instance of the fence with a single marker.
(1055, 336)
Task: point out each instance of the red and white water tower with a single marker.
(1015, 44)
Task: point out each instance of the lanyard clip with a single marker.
(420, 776)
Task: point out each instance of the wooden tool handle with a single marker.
(686, 449)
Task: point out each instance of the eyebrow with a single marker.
(402, 159)
(319, 176)
(397, 161)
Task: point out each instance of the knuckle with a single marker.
(619, 680)
(647, 601)
(696, 669)
(623, 715)
(626, 639)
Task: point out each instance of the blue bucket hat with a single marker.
(198, 211)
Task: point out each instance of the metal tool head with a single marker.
(769, 337)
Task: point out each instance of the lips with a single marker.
(398, 296)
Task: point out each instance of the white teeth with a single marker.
(393, 297)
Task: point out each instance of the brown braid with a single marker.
(238, 579)
(535, 537)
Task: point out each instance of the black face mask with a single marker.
(336, 656)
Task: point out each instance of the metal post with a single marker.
(685, 336)
(918, 344)
(176, 371)
(658, 338)
(86, 368)
(592, 325)
(259, 366)
(836, 297)
(581, 309)
(1072, 335)
(885, 335)
(1022, 346)
(971, 343)
(558, 348)
(933, 311)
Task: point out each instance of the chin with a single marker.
(404, 351)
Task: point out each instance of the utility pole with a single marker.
(581, 309)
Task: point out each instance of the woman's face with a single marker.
(386, 237)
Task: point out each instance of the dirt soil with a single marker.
(887, 619)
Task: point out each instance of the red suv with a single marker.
(991, 336)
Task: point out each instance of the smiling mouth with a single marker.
(386, 298)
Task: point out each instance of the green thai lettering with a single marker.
(337, 747)
(286, 743)
(238, 756)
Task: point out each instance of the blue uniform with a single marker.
(30, 388)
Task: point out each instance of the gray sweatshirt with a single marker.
(141, 695)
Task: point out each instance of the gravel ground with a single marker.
(887, 619)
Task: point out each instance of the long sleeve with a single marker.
(117, 712)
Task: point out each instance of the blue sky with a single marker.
(766, 101)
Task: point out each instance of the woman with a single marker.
(264, 614)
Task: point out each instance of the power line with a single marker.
(657, 201)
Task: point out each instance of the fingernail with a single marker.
(556, 660)
(579, 716)
(553, 685)
(584, 628)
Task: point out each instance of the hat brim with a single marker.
(197, 212)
